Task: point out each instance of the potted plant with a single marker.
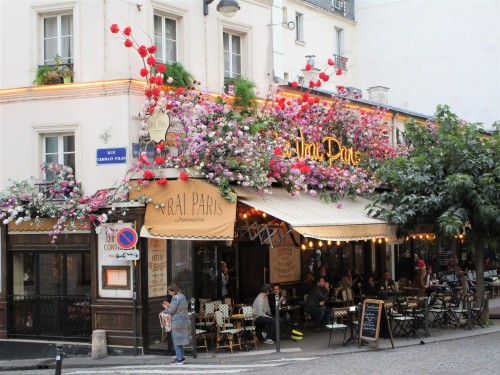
(46, 75)
(67, 75)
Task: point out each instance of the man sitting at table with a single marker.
(263, 315)
(292, 315)
(315, 305)
(385, 285)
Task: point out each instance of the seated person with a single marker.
(263, 315)
(369, 287)
(292, 315)
(385, 285)
(418, 281)
(315, 305)
(308, 283)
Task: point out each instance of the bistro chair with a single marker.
(406, 323)
(225, 336)
(229, 301)
(477, 312)
(224, 309)
(207, 324)
(250, 325)
(201, 335)
(338, 316)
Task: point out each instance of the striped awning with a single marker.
(314, 218)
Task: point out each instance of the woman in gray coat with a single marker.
(181, 325)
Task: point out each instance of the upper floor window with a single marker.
(339, 41)
(58, 39)
(232, 55)
(165, 39)
(299, 27)
(59, 149)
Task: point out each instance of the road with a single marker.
(477, 355)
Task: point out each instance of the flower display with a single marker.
(308, 145)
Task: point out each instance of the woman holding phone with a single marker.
(181, 325)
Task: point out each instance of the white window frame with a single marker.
(49, 60)
(43, 131)
(162, 54)
(299, 27)
(339, 41)
(230, 69)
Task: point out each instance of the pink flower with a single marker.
(184, 176)
(114, 28)
(278, 151)
(142, 51)
(161, 68)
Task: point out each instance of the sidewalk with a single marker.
(313, 344)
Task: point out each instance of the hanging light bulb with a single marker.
(311, 244)
(303, 247)
(320, 243)
(264, 214)
(338, 243)
(380, 240)
(329, 242)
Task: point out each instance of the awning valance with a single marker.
(186, 210)
(314, 218)
(44, 225)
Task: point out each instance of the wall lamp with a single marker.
(228, 8)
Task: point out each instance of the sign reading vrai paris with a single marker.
(192, 209)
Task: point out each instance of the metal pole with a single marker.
(58, 359)
(277, 316)
(193, 327)
(426, 317)
(469, 313)
(135, 307)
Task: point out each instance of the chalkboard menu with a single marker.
(370, 319)
(372, 315)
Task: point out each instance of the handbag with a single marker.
(166, 322)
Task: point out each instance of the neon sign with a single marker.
(332, 150)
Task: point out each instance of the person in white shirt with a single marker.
(263, 314)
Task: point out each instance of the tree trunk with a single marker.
(480, 286)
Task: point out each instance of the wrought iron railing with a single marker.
(340, 61)
(50, 317)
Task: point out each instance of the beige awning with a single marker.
(45, 225)
(312, 217)
(186, 210)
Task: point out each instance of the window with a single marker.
(59, 149)
(165, 39)
(299, 27)
(58, 39)
(232, 55)
(339, 41)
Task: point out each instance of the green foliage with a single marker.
(180, 76)
(244, 94)
(451, 180)
(45, 74)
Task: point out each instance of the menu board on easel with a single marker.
(373, 317)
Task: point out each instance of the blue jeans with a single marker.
(179, 351)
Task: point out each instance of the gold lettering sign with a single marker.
(333, 150)
(158, 125)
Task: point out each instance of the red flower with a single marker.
(179, 90)
(340, 88)
(318, 83)
(152, 80)
(147, 92)
(159, 80)
(184, 176)
(152, 49)
(311, 101)
(127, 31)
(278, 151)
(160, 146)
(162, 181)
(339, 71)
(326, 77)
(128, 43)
(148, 175)
(155, 91)
(142, 51)
(161, 68)
(305, 169)
(308, 67)
(305, 96)
(144, 72)
(114, 28)
(311, 84)
(151, 61)
(331, 62)
(159, 160)
(295, 84)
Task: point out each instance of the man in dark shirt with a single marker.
(315, 305)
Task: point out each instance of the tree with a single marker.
(449, 178)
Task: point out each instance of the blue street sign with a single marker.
(112, 155)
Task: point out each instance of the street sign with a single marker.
(126, 238)
(131, 254)
(116, 155)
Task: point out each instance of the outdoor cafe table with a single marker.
(353, 312)
(243, 318)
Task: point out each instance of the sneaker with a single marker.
(177, 361)
(268, 341)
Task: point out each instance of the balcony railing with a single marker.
(50, 317)
(340, 61)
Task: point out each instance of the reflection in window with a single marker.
(182, 263)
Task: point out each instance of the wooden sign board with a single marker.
(373, 317)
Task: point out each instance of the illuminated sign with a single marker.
(332, 150)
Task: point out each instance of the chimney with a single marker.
(378, 94)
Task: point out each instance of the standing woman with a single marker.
(181, 325)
